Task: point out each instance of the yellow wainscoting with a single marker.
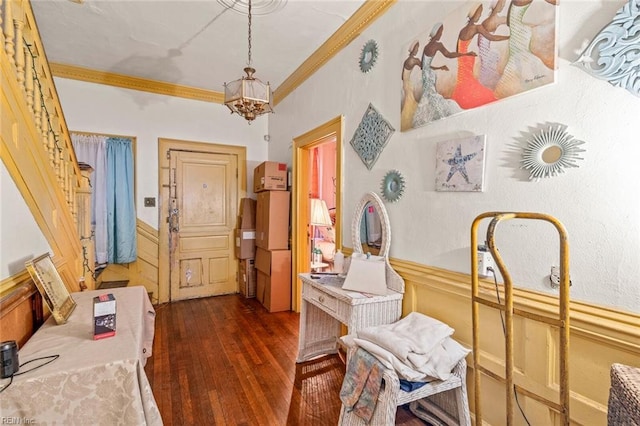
(145, 268)
(144, 271)
(599, 337)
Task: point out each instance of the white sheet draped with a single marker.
(91, 149)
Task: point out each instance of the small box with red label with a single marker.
(270, 176)
(104, 316)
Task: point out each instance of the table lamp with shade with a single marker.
(319, 216)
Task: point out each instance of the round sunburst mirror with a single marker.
(392, 186)
(550, 152)
(368, 56)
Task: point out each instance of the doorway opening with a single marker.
(317, 174)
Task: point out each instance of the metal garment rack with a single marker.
(562, 322)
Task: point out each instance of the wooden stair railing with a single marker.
(36, 146)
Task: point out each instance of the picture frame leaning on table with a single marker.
(51, 288)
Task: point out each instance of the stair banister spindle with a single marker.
(51, 148)
(69, 176)
(67, 189)
(44, 123)
(37, 105)
(28, 76)
(7, 27)
(19, 54)
(74, 199)
(58, 161)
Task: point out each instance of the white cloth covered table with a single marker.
(93, 382)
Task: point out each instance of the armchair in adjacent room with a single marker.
(327, 244)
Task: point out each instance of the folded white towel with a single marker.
(443, 359)
(390, 361)
(417, 347)
(415, 334)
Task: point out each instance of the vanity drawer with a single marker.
(322, 299)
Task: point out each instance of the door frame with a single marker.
(164, 146)
(302, 146)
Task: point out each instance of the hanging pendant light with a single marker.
(248, 96)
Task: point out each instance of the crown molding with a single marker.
(353, 27)
(135, 83)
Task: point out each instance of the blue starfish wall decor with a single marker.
(460, 164)
(614, 54)
(457, 163)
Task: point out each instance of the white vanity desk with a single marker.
(325, 305)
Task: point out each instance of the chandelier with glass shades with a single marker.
(248, 96)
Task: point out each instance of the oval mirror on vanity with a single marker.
(371, 208)
(371, 226)
(370, 230)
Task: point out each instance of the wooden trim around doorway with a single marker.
(332, 129)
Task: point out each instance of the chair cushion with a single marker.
(328, 249)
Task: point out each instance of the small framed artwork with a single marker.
(51, 288)
(460, 164)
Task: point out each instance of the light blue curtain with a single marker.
(121, 214)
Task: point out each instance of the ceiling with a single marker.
(199, 44)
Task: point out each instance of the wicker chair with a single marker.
(624, 396)
(441, 402)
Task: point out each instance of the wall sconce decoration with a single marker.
(371, 136)
(550, 152)
(368, 56)
(613, 54)
(392, 186)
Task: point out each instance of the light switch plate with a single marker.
(149, 201)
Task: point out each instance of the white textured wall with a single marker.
(598, 203)
(20, 236)
(104, 109)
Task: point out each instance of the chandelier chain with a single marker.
(249, 33)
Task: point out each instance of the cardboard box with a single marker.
(270, 176)
(104, 316)
(247, 277)
(247, 216)
(273, 287)
(272, 220)
(245, 243)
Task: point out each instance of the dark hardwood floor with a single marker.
(227, 361)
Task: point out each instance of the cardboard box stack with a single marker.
(246, 247)
(273, 257)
